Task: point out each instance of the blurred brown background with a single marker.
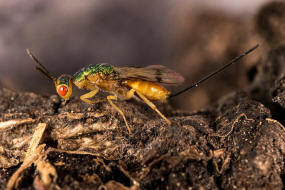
(191, 37)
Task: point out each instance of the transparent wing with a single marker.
(155, 73)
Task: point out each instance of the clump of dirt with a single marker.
(239, 142)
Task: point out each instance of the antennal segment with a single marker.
(217, 71)
(41, 68)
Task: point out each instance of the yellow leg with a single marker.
(130, 94)
(152, 106)
(85, 97)
(114, 97)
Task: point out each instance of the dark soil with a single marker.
(237, 143)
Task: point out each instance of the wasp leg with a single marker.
(85, 97)
(152, 106)
(114, 97)
(130, 94)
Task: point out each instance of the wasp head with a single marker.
(63, 85)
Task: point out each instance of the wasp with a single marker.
(124, 83)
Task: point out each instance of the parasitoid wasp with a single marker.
(125, 82)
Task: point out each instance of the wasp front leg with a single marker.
(85, 97)
(114, 97)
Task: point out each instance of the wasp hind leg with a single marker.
(85, 97)
(150, 104)
(114, 97)
(130, 94)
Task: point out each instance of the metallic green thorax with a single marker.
(95, 69)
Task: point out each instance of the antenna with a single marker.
(216, 72)
(41, 67)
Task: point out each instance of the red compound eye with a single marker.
(62, 90)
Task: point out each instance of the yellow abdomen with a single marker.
(150, 90)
